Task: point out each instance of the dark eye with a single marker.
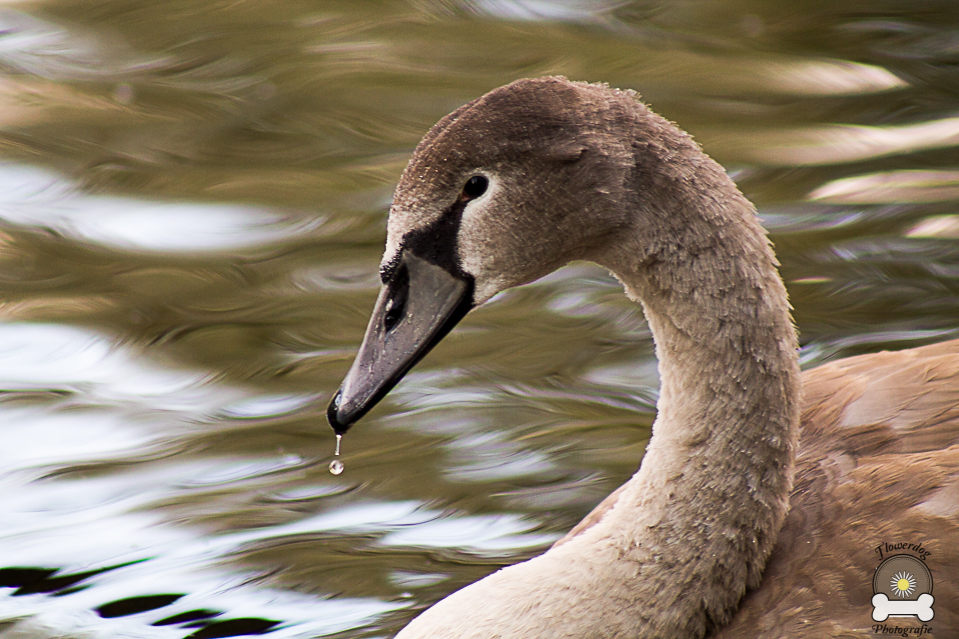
(475, 186)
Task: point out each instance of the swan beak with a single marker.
(416, 308)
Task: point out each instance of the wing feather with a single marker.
(878, 463)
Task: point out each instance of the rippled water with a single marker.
(192, 207)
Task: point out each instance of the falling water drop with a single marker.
(336, 466)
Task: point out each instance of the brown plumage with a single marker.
(763, 493)
(878, 462)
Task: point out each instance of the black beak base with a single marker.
(415, 309)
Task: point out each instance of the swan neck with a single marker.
(704, 511)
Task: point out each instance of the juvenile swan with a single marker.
(755, 513)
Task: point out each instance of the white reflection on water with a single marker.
(407, 524)
(641, 378)
(32, 437)
(483, 533)
(891, 187)
(560, 10)
(89, 401)
(82, 368)
(266, 405)
(301, 616)
(414, 579)
(35, 47)
(845, 143)
(83, 524)
(826, 77)
(94, 523)
(36, 197)
(430, 389)
(941, 226)
(68, 53)
(493, 456)
(738, 76)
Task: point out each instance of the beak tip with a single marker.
(340, 426)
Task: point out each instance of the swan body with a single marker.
(763, 494)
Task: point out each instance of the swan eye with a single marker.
(475, 187)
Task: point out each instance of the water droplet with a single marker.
(336, 466)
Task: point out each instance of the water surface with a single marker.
(192, 207)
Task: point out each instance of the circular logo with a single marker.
(902, 578)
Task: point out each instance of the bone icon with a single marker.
(902, 587)
(883, 608)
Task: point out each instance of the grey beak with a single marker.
(416, 308)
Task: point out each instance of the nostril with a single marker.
(399, 288)
(394, 311)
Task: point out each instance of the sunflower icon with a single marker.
(903, 584)
(902, 587)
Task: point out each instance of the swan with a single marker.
(765, 497)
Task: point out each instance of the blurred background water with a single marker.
(192, 207)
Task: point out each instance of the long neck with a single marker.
(703, 512)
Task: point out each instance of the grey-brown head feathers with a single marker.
(560, 160)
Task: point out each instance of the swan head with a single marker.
(500, 192)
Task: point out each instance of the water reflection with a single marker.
(192, 203)
(33, 197)
(890, 187)
(840, 144)
(69, 366)
(535, 10)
